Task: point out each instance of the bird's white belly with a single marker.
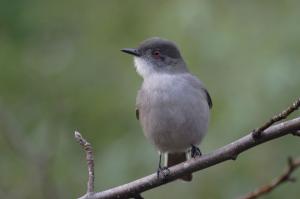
(176, 114)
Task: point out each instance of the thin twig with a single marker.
(284, 177)
(257, 132)
(228, 152)
(90, 161)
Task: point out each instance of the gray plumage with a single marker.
(172, 105)
(173, 111)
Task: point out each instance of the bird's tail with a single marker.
(176, 158)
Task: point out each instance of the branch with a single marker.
(89, 159)
(257, 132)
(227, 152)
(284, 177)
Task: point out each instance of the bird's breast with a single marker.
(172, 111)
(170, 90)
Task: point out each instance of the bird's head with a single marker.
(157, 56)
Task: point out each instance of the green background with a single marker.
(61, 69)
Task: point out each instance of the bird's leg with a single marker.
(195, 151)
(162, 172)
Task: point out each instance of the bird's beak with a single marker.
(131, 51)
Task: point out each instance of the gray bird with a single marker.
(172, 105)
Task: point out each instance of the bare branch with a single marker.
(227, 152)
(257, 132)
(90, 161)
(284, 177)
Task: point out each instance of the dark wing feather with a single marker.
(137, 113)
(195, 82)
(209, 101)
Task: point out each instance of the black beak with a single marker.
(131, 51)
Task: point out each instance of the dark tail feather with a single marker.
(176, 158)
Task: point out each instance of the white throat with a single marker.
(143, 68)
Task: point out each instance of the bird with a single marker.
(172, 105)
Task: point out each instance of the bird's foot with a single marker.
(162, 172)
(195, 151)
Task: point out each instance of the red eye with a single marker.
(156, 54)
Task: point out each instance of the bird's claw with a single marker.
(162, 172)
(195, 151)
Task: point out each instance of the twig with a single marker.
(228, 152)
(257, 132)
(90, 161)
(284, 177)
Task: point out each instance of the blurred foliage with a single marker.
(61, 70)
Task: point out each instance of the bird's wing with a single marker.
(208, 98)
(194, 81)
(137, 113)
(139, 99)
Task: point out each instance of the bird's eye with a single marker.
(156, 54)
